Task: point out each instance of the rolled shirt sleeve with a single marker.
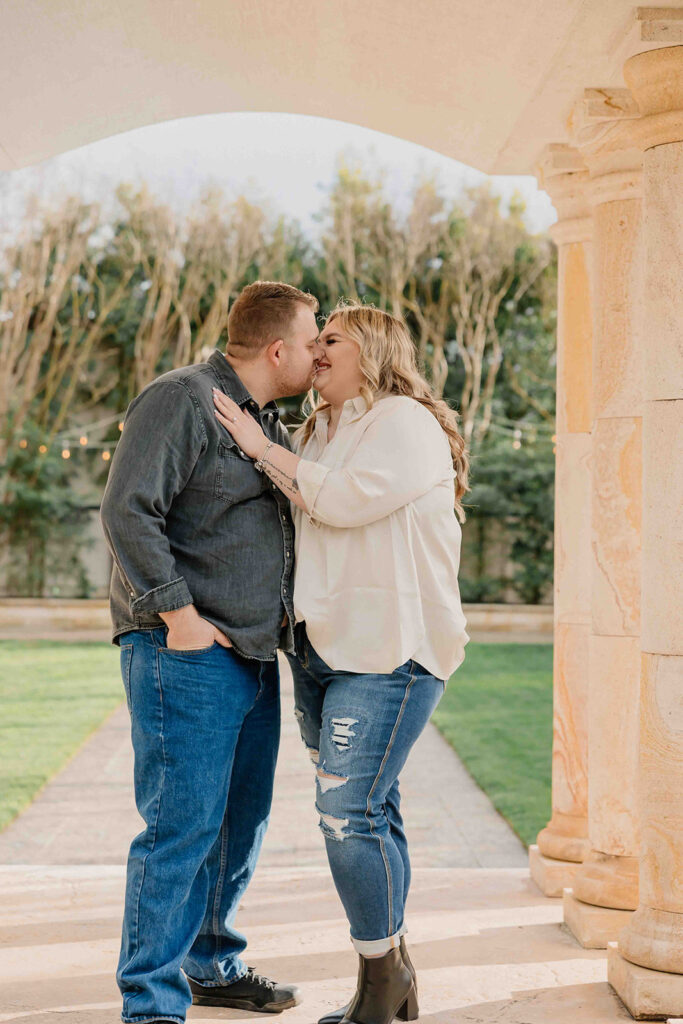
(399, 457)
(162, 439)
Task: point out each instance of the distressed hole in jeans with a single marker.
(341, 732)
(328, 780)
(333, 827)
(314, 755)
(298, 714)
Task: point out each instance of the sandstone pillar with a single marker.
(605, 888)
(562, 843)
(646, 968)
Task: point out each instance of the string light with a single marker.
(70, 440)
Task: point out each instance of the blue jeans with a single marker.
(359, 729)
(205, 729)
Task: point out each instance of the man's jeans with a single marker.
(205, 728)
(359, 729)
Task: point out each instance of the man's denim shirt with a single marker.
(188, 519)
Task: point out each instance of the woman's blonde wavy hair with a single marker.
(389, 364)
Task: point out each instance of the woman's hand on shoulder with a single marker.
(238, 422)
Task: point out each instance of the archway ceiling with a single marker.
(488, 82)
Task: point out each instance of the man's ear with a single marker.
(274, 352)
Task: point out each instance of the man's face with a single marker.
(299, 354)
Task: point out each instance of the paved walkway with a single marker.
(87, 814)
(488, 946)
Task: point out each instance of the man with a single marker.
(201, 598)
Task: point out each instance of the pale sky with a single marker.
(283, 161)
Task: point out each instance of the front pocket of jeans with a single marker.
(191, 651)
(236, 479)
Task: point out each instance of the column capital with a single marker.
(562, 173)
(601, 126)
(655, 78)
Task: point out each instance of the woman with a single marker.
(378, 469)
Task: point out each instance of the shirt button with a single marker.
(284, 518)
(287, 553)
(284, 590)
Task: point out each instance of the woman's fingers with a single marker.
(228, 424)
(239, 423)
(225, 404)
(227, 412)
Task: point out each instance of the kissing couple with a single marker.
(339, 547)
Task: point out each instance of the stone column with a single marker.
(605, 888)
(562, 843)
(646, 968)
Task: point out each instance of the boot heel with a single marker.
(409, 1010)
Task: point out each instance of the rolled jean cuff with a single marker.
(376, 947)
(150, 1020)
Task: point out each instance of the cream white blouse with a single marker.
(377, 555)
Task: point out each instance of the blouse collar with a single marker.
(352, 409)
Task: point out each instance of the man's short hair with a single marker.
(262, 313)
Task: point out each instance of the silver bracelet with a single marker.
(259, 462)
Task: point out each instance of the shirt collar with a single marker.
(352, 409)
(356, 406)
(235, 389)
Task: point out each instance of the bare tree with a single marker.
(189, 273)
(490, 258)
(448, 268)
(53, 308)
(373, 254)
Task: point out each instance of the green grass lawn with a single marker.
(497, 714)
(52, 696)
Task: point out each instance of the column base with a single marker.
(646, 994)
(593, 927)
(550, 875)
(564, 838)
(606, 880)
(654, 940)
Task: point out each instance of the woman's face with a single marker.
(338, 375)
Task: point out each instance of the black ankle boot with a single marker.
(385, 990)
(409, 1011)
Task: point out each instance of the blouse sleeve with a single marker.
(403, 454)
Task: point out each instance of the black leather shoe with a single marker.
(405, 1012)
(250, 992)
